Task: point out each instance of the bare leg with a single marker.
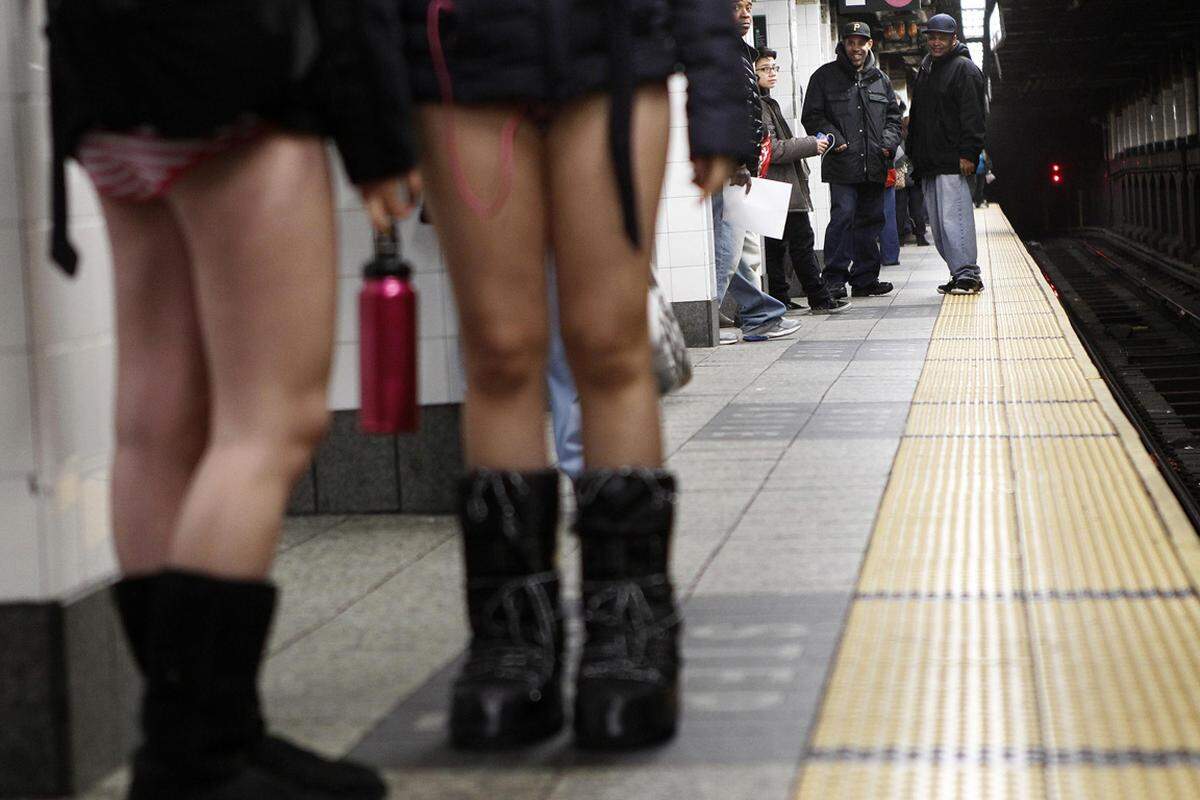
(258, 223)
(497, 266)
(603, 280)
(162, 383)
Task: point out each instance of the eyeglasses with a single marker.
(768, 70)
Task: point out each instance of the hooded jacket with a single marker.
(859, 109)
(787, 154)
(948, 118)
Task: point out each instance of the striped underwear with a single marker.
(140, 165)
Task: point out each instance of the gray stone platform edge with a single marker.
(357, 473)
(67, 695)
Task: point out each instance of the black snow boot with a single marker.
(201, 648)
(628, 685)
(509, 692)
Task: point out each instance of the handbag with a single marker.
(672, 369)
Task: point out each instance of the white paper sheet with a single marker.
(764, 210)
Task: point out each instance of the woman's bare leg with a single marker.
(497, 266)
(162, 384)
(603, 280)
(259, 225)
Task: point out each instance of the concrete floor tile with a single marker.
(779, 567)
(655, 783)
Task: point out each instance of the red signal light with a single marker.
(1057, 179)
(1054, 168)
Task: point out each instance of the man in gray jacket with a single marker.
(785, 163)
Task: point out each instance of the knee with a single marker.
(610, 353)
(306, 424)
(159, 416)
(503, 359)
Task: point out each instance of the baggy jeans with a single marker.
(735, 251)
(855, 221)
(952, 223)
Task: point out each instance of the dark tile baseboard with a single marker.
(68, 695)
(698, 320)
(357, 473)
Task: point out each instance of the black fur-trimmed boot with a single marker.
(628, 685)
(202, 647)
(509, 692)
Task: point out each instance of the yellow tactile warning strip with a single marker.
(1026, 624)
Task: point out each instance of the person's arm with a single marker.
(972, 114)
(361, 87)
(891, 126)
(790, 150)
(707, 46)
(814, 118)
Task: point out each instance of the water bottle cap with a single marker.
(387, 260)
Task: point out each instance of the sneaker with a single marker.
(772, 330)
(791, 306)
(729, 336)
(837, 292)
(946, 287)
(727, 322)
(922, 241)
(876, 289)
(967, 285)
(831, 306)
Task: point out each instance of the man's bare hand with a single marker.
(711, 172)
(391, 199)
(840, 148)
(966, 167)
(822, 146)
(741, 177)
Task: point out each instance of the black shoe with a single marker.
(509, 691)
(838, 292)
(628, 685)
(967, 285)
(922, 241)
(891, 263)
(830, 306)
(203, 647)
(876, 289)
(947, 287)
(790, 306)
(726, 322)
(134, 599)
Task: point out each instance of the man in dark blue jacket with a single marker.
(853, 101)
(945, 138)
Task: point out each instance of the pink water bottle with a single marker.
(387, 314)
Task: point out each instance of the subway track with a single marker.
(1139, 317)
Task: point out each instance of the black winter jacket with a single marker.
(547, 52)
(758, 131)
(859, 110)
(947, 121)
(189, 67)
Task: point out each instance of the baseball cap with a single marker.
(941, 23)
(856, 29)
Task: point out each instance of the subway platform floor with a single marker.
(870, 610)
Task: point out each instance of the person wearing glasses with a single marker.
(787, 154)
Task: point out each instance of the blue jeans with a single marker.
(730, 248)
(855, 221)
(564, 399)
(889, 237)
(952, 223)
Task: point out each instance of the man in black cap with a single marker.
(852, 100)
(945, 138)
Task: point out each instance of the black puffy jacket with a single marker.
(948, 118)
(552, 51)
(860, 110)
(189, 67)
